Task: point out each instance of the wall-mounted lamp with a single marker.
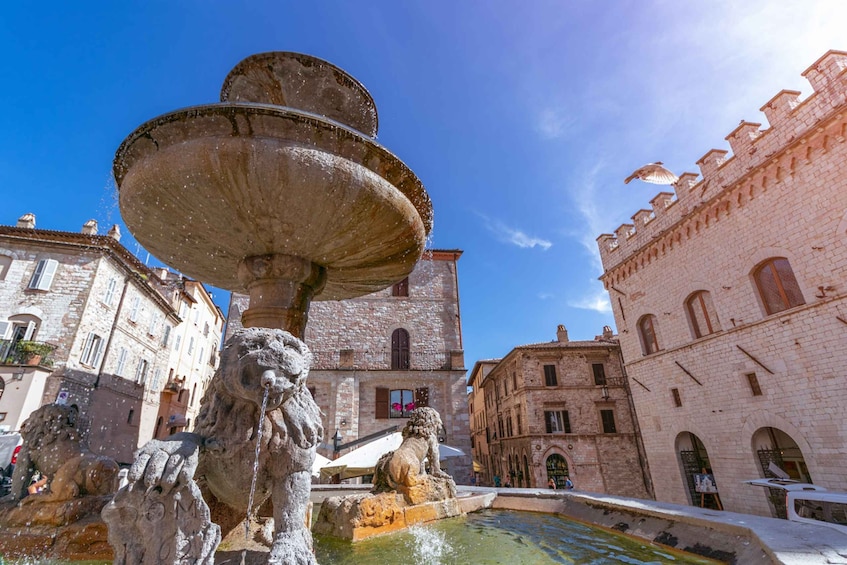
(343, 421)
(605, 392)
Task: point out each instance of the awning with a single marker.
(320, 461)
(477, 467)
(362, 461)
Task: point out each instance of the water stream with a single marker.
(259, 429)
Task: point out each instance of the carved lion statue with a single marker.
(258, 395)
(52, 446)
(403, 471)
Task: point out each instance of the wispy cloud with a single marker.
(599, 302)
(545, 296)
(511, 235)
(552, 123)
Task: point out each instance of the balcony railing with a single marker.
(25, 352)
(348, 359)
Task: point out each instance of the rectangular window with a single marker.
(141, 371)
(518, 418)
(402, 402)
(550, 375)
(753, 381)
(129, 416)
(608, 419)
(401, 288)
(157, 379)
(154, 323)
(176, 342)
(190, 345)
(557, 421)
(42, 278)
(134, 309)
(110, 291)
(121, 362)
(509, 430)
(166, 334)
(677, 399)
(92, 350)
(206, 329)
(514, 381)
(599, 373)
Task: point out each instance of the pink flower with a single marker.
(396, 407)
(410, 406)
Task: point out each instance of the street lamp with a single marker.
(336, 443)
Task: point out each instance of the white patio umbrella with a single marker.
(362, 461)
(320, 461)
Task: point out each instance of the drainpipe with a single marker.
(642, 453)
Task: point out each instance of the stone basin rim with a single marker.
(404, 179)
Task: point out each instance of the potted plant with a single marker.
(32, 352)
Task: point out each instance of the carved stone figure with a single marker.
(404, 493)
(402, 470)
(221, 453)
(52, 446)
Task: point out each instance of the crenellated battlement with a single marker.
(798, 132)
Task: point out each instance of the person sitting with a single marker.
(568, 483)
(551, 483)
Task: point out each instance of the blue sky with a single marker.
(521, 118)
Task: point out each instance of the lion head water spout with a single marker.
(281, 192)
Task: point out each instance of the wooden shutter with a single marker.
(400, 349)
(421, 397)
(566, 420)
(381, 408)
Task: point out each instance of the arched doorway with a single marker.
(694, 460)
(557, 469)
(778, 454)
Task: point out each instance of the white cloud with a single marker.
(514, 236)
(553, 123)
(545, 296)
(596, 300)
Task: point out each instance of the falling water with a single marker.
(430, 546)
(259, 429)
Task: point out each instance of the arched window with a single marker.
(400, 349)
(701, 314)
(777, 285)
(647, 333)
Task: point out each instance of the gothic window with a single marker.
(401, 288)
(42, 278)
(400, 349)
(777, 285)
(701, 314)
(647, 333)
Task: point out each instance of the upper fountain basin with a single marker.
(205, 187)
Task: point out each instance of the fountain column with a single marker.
(281, 287)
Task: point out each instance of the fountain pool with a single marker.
(500, 536)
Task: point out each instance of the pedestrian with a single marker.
(497, 481)
(551, 483)
(508, 483)
(568, 483)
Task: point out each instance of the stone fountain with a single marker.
(280, 191)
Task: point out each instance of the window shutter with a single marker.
(567, 421)
(30, 329)
(4, 329)
(47, 274)
(548, 422)
(98, 351)
(381, 408)
(421, 397)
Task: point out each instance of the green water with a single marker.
(501, 537)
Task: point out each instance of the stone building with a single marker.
(379, 356)
(100, 310)
(555, 410)
(194, 347)
(729, 297)
(480, 440)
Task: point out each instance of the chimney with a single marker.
(562, 334)
(90, 227)
(27, 221)
(115, 233)
(608, 333)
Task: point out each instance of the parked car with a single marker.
(10, 446)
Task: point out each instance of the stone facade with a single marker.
(557, 409)
(352, 344)
(101, 309)
(730, 303)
